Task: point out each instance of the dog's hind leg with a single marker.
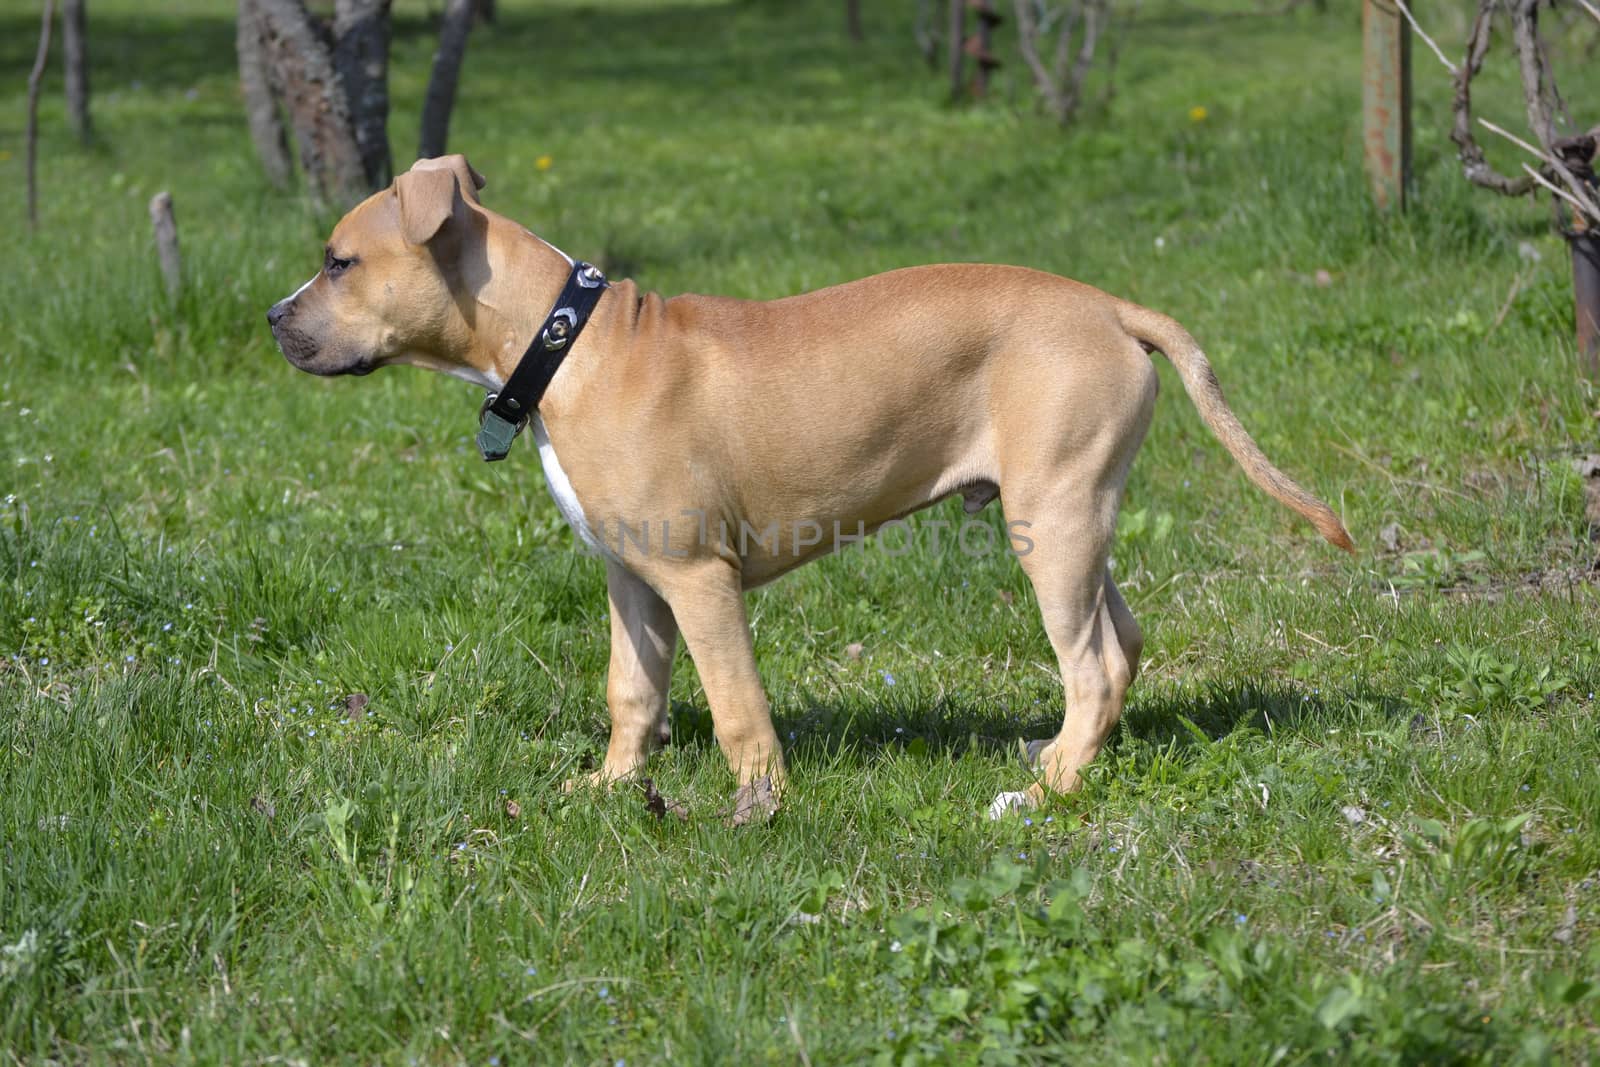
(644, 637)
(1095, 639)
(1065, 492)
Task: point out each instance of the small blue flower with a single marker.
(531, 971)
(888, 679)
(1241, 919)
(605, 993)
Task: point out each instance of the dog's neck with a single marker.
(526, 275)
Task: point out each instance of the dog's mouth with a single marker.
(305, 354)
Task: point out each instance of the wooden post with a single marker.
(1586, 297)
(1386, 102)
(166, 230)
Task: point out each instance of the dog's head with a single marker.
(393, 285)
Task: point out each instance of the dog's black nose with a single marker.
(276, 312)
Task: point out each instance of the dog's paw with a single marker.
(1005, 803)
(1032, 753)
(755, 802)
(593, 780)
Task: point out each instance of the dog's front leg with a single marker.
(644, 637)
(708, 601)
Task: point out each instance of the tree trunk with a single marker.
(32, 136)
(361, 56)
(852, 19)
(260, 106)
(926, 33)
(74, 32)
(441, 97)
(301, 71)
(485, 10)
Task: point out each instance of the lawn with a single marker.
(1351, 815)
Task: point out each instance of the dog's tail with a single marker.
(1155, 331)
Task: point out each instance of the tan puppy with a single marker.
(707, 445)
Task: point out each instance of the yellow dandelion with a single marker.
(543, 162)
(1198, 114)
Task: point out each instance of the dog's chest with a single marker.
(561, 489)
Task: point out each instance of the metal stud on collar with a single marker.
(559, 332)
(506, 412)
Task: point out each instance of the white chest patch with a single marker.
(561, 489)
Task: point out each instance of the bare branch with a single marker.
(1061, 81)
(1513, 138)
(1027, 44)
(1538, 89)
(1473, 164)
(1587, 206)
(1590, 8)
(1405, 9)
(1589, 209)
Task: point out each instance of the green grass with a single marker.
(1351, 814)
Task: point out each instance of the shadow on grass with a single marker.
(953, 728)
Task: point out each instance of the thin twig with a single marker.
(34, 77)
(1579, 197)
(1405, 10)
(1514, 139)
(1590, 8)
(1563, 194)
(1511, 296)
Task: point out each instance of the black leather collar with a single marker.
(505, 413)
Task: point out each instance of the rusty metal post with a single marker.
(1586, 298)
(980, 46)
(1386, 102)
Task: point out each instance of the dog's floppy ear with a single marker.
(430, 194)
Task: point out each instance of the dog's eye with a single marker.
(333, 266)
